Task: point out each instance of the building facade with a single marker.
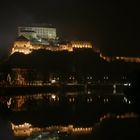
(81, 44)
(26, 46)
(37, 32)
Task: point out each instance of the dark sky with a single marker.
(111, 26)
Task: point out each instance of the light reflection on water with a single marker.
(83, 111)
(22, 102)
(28, 130)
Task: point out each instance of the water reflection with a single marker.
(27, 129)
(24, 102)
(6, 132)
(71, 113)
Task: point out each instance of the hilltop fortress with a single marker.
(44, 37)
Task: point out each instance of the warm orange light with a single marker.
(125, 59)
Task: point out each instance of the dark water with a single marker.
(80, 110)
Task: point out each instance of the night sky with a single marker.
(110, 26)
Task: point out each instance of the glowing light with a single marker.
(125, 59)
(53, 81)
(27, 46)
(53, 96)
(125, 99)
(127, 84)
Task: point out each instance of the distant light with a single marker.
(53, 96)
(53, 81)
(125, 99)
(89, 92)
(127, 84)
(106, 77)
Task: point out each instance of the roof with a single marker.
(45, 25)
(22, 38)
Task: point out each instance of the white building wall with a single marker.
(42, 32)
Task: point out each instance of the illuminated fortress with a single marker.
(44, 37)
